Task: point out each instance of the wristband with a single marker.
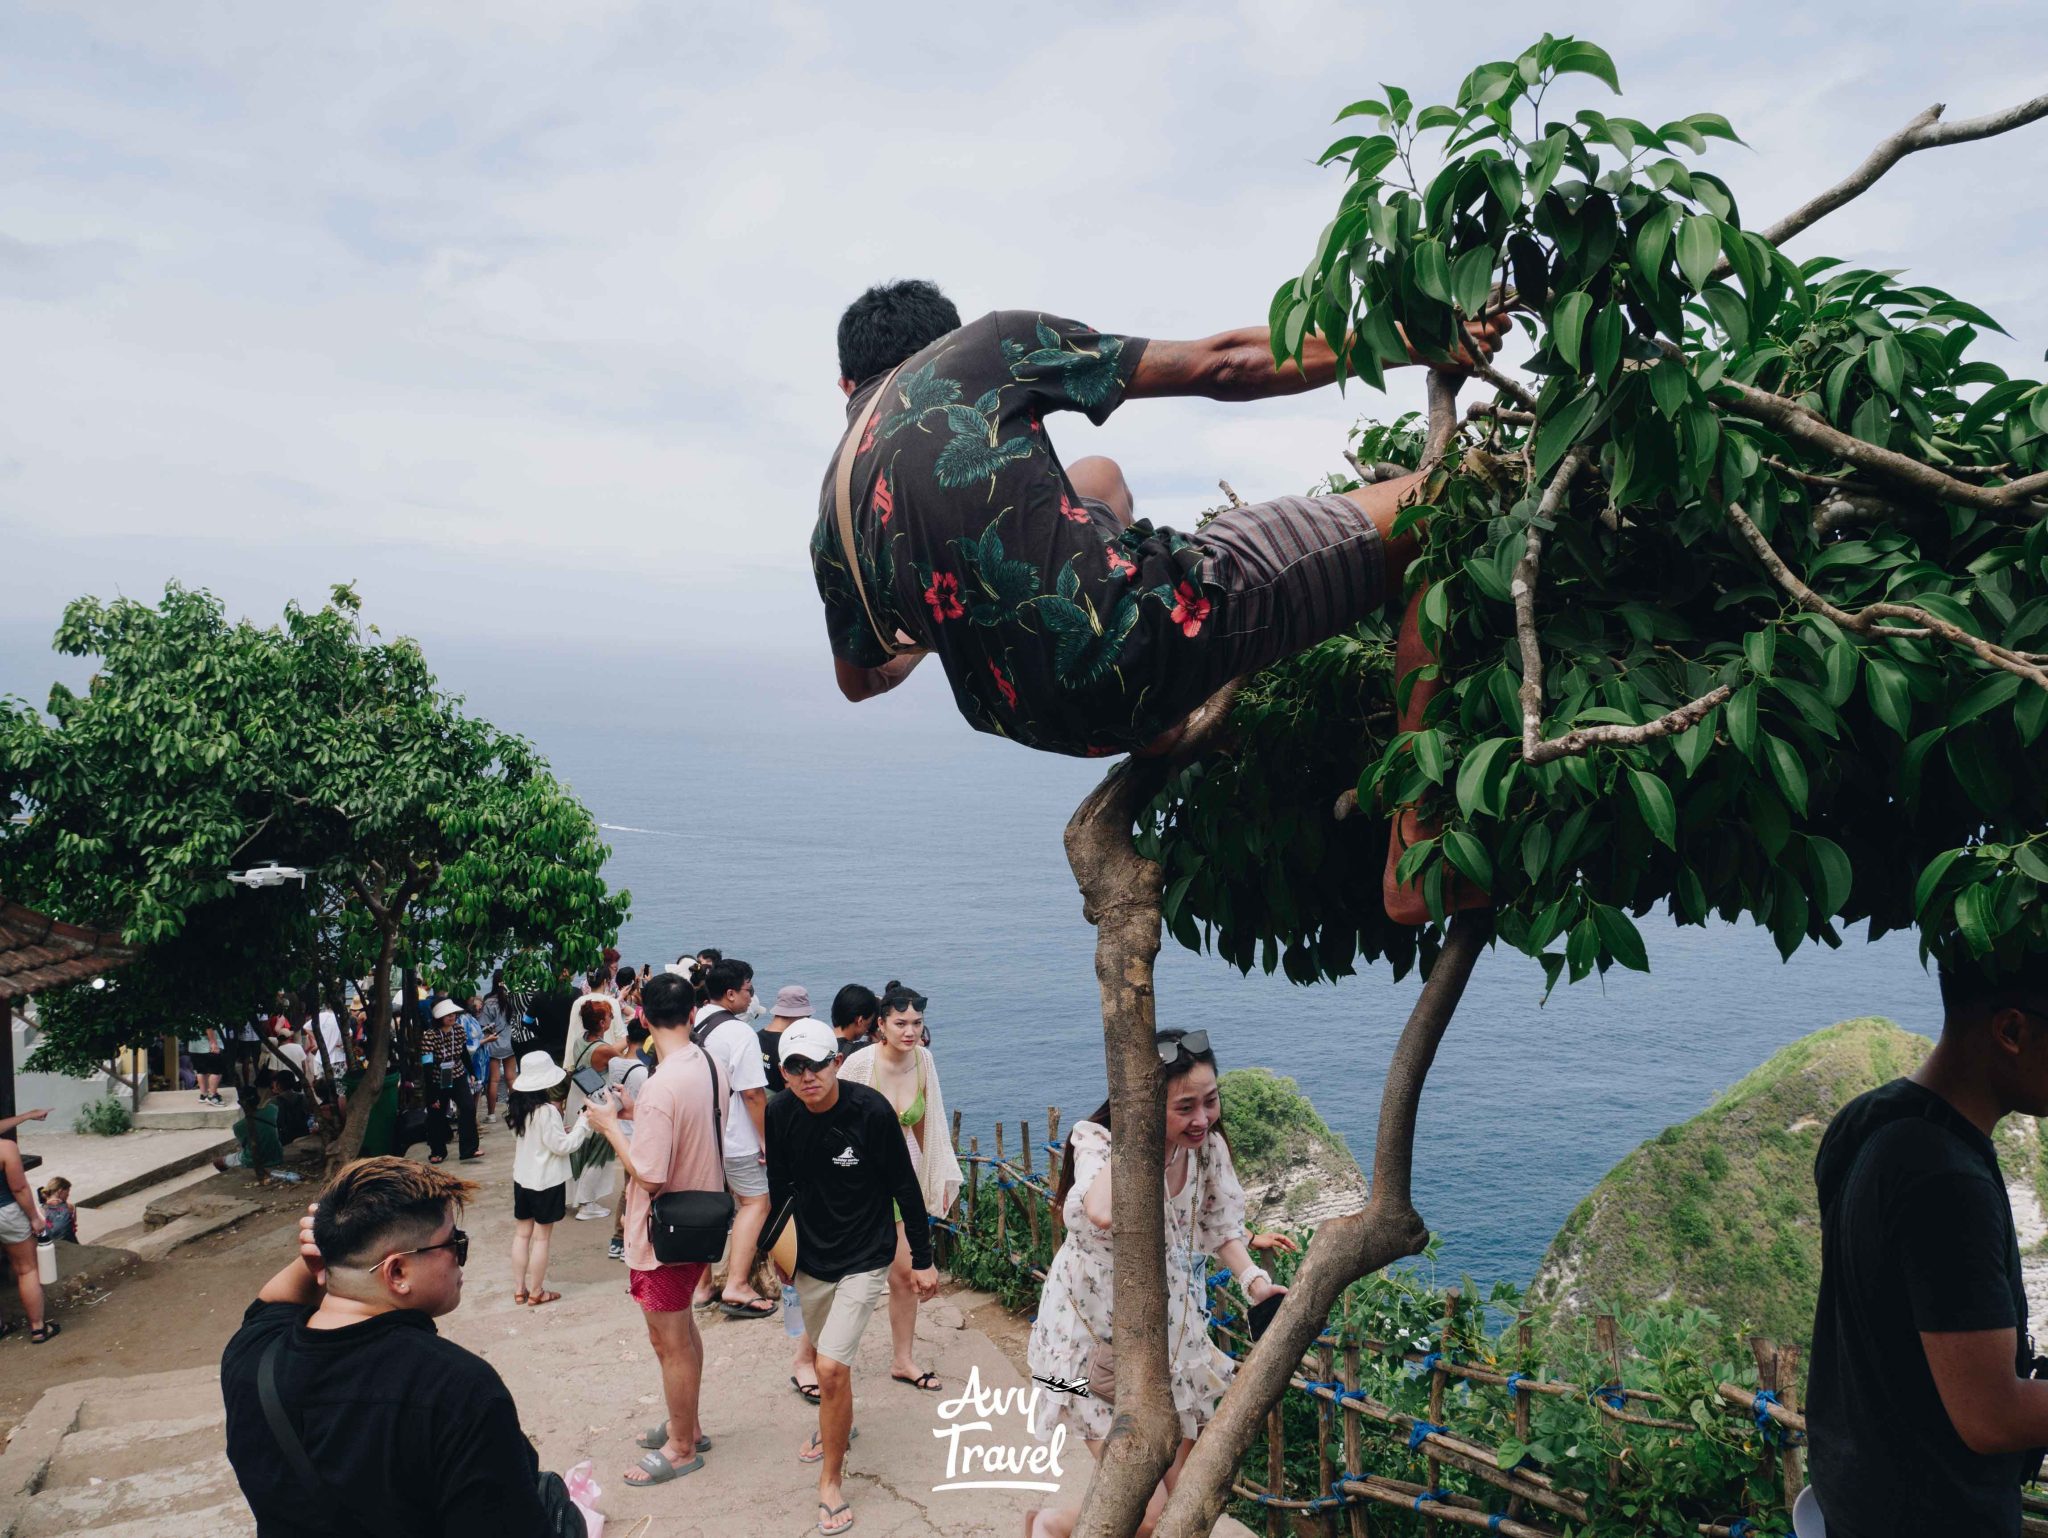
(1244, 1277)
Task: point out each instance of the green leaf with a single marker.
(1472, 279)
(2030, 859)
(1760, 649)
(1986, 696)
(1619, 934)
(1606, 342)
(1699, 244)
(1789, 770)
(1832, 869)
(1432, 271)
(1692, 746)
(1429, 754)
(1741, 717)
(1561, 432)
(1367, 107)
(1669, 386)
(2031, 714)
(1842, 662)
(1653, 799)
(1577, 58)
(1890, 697)
(1567, 320)
(1929, 884)
(1480, 774)
(1469, 855)
(1974, 917)
(1888, 364)
(1651, 242)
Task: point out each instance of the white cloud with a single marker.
(543, 288)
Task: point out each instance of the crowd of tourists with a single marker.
(760, 1160)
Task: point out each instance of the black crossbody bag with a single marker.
(690, 1227)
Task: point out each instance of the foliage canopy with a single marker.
(1726, 459)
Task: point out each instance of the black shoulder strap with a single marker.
(702, 1030)
(288, 1440)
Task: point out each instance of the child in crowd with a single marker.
(540, 1170)
(59, 1216)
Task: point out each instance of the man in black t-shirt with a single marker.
(1922, 1415)
(389, 1429)
(836, 1154)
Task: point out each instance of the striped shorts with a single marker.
(1292, 572)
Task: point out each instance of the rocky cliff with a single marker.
(1295, 1170)
(1720, 1210)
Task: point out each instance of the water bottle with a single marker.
(46, 1259)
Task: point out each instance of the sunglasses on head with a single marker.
(1195, 1042)
(457, 1240)
(802, 1067)
(896, 1001)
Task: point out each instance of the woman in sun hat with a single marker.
(540, 1170)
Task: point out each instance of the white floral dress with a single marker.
(1075, 1306)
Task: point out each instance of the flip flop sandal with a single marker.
(437, 1158)
(520, 1296)
(810, 1391)
(814, 1450)
(50, 1331)
(830, 1513)
(545, 1296)
(655, 1438)
(759, 1308)
(928, 1381)
(660, 1471)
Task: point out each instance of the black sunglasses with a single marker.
(457, 1240)
(1195, 1042)
(895, 1001)
(802, 1067)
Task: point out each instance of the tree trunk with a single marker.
(370, 1088)
(1121, 896)
(1342, 1250)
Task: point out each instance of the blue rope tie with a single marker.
(1768, 1428)
(1493, 1522)
(1429, 1495)
(1513, 1379)
(1312, 1385)
(1218, 1278)
(1420, 1430)
(1611, 1396)
(1740, 1526)
(1429, 1361)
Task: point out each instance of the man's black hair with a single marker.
(709, 954)
(890, 322)
(856, 1001)
(1970, 985)
(724, 975)
(377, 1205)
(247, 1098)
(667, 1000)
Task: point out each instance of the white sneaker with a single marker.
(590, 1212)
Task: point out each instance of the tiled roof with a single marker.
(38, 952)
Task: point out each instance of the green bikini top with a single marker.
(913, 1113)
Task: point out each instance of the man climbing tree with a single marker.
(1062, 621)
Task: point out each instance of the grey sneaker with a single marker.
(616, 1250)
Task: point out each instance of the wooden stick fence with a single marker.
(1347, 1494)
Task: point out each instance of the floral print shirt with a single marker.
(1055, 629)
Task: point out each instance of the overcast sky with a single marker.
(494, 308)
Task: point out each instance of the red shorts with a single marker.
(666, 1289)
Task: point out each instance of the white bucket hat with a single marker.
(538, 1070)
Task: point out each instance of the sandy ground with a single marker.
(583, 1376)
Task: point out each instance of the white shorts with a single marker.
(14, 1225)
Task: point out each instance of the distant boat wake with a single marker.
(620, 827)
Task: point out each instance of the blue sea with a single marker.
(751, 808)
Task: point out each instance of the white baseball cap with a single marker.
(811, 1039)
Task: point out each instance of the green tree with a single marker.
(1737, 603)
(204, 744)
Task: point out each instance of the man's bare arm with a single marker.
(1238, 365)
(859, 683)
(1993, 1409)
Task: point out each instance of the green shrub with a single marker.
(1261, 1110)
(105, 1116)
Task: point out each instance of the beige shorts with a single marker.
(836, 1313)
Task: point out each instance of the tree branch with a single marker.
(1343, 1248)
(1512, 389)
(1864, 621)
(1513, 418)
(1925, 132)
(1803, 426)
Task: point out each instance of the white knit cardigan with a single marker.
(938, 1173)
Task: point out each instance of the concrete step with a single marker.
(139, 1447)
(229, 1519)
(174, 1110)
(195, 1392)
(177, 1490)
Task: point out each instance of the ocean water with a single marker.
(751, 808)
